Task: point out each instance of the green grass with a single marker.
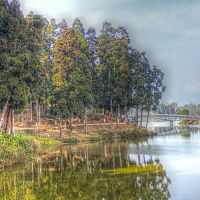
(20, 147)
(123, 133)
(110, 133)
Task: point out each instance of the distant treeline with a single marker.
(68, 70)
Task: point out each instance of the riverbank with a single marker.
(23, 147)
(107, 133)
(190, 122)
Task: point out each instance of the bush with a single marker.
(18, 148)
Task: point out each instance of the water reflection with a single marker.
(89, 171)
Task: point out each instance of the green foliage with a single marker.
(18, 148)
(72, 78)
(20, 68)
(67, 70)
(184, 111)
(122, 133)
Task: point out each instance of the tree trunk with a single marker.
(111, 107)
(118, 114)
(12, 122)
(7, 122)
(55, 120)
(61, 125)
(126, 115)
(37, 115)
(66, 124)
(4, 112)
(23, 118)
(85, 120)
(141, 116)
(31, 106)
(70, 125)
(147, 119)
(139, 161)
(46, 106)
(137, 115)
(103, 110)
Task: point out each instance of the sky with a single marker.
(167, 30)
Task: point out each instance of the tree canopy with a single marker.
(69, 70)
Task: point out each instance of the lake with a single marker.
(161, 167)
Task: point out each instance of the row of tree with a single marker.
(68, 71)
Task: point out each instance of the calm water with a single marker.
(162, 167)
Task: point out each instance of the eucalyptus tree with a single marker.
(38, 70)
(105, 65)
(47, 91)
(62, 26)
(121, 76)
(66, 51)
(97, 82)
(146, 82)
(19, 69)
(72, 75)
(82, 75)
(4, 90)
(15, 57)
(139, 73)
(158, 86)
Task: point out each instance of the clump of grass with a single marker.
(109, 133)
(20, 147)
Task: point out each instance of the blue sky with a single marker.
(167, 30)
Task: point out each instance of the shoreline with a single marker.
(21, 148)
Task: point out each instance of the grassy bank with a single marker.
(21, 147)
(189, 122)
(110, 133)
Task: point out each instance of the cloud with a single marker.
(193, 87)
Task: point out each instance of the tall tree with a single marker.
(105, 66)
(66, 51)
(50, 34)
(112, 52)
(13, 71)
(78, 27)
(121, 70)
(37, 72)
(83, 89)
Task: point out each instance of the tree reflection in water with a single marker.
(90, 171)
